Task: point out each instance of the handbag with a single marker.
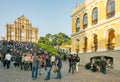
(55, 69)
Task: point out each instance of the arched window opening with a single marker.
(111, 40)
(95, 44)
(77, 46)
(78, 25)
(110, 8)
(85, 45)
(85, 21)
(95, 16)
(22, 26)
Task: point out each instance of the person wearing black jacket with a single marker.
(71, 64)
(48, 67)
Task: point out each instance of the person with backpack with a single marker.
(71, 64)
(77, 60)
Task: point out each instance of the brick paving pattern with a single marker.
(16, 75)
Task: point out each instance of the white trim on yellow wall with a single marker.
(92, 35)
(105, 2)
(91, 9)
(99, 50)
(89, 51)
(107, 31)
(87, 4)
(98, 0)
(117, 48)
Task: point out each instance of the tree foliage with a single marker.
(55, 40)
(47, 48)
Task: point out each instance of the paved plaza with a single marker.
(16, 75)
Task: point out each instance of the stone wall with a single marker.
(85, 57)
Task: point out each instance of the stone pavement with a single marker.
(16, 75)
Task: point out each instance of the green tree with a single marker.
(55, 40)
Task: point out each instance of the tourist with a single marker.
(71, 64)
(58, 63)
(103, 64)
(48, 66)
(53, 59)
(77, 61)
(35, 67)
(39, 65)
(8, 59)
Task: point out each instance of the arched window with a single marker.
(95, 43)
(22, 26)
(85, 21)
(111, 39)
(95, 16)
(110, 8)
(85, 44)
(77, 46)
(78, 25)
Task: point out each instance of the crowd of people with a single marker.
(27, 56)
(34, 63)
(18, 47)
(73, 63)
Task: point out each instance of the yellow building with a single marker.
(21, 30)
(96, 28)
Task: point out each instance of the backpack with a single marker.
(71, 60)
(77, 59)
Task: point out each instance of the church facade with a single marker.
(96, 30)
(21, 30)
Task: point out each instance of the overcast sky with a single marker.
(50, 16)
